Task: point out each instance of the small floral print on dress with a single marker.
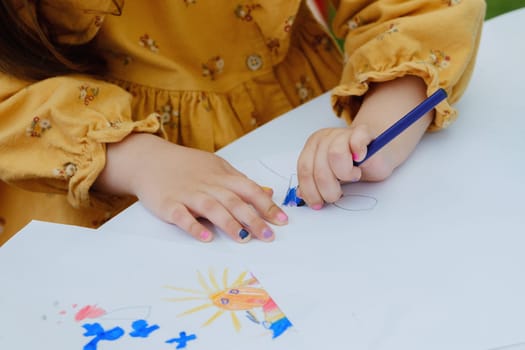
(204, 101)
(244, 12)
(303, 88)
(212, 67)
(288, 24)
(148, 43)
(38, 127)
(87, 93)
(66, 172)
(115, 124)
(392, 28)
(439, 59)
(354, 23)
(168, 115)
(273, 45)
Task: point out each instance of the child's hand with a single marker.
(327, 161)
(180, 184)
(327, 158)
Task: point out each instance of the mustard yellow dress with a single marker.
(202, 73)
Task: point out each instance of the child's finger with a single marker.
(246, 214)
(180, 216)
(327, 183)
(268, 190)
(263, 204)
(340, 158)
(305, 175)
(209, 207)
(360, 139)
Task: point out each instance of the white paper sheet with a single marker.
(64, 287)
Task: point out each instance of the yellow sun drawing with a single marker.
(244, 294)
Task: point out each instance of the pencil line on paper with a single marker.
(272, 170)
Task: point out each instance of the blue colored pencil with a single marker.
(403, 123)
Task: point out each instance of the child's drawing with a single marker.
(355, 201)
(349, 201)
(121, 325)
(242, 296)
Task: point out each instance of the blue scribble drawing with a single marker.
(141, 329)
(182, 340)
(96, 330)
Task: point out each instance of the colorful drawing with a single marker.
(244, 295)
(105, 329)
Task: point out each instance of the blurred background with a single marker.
(497, 7)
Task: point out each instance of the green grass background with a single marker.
(497, 7)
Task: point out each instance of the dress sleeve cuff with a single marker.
(347, 97)
(93, 158)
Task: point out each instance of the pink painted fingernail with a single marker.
(317, 207)
(355, 156)
(282, 217)
(205, 235)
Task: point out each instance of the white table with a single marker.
(443, 267)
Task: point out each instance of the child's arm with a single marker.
(433, 42)
(61, 134)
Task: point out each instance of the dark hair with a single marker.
(32, 54)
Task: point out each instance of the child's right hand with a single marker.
(180, 185)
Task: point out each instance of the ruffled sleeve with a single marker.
(384, 40)
(53, 133)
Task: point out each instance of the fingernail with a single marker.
(267, 233)
(355, 179)
(205, 235)
(317, 207)
(267, 189)
(355, 156)
(243, 234)
(282, 217)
